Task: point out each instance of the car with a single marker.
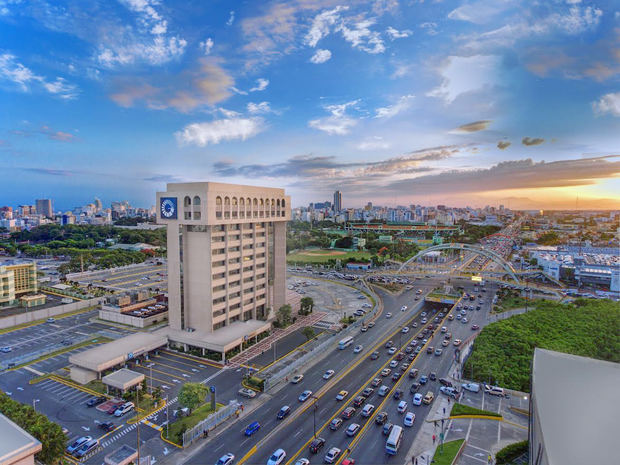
(494, 390)
(403, 308)
(341, 395)
(368, 392)
(75, 445)
(444, 329)
(51, 320)
(428, 398)
(392, 350)
(245, 392)
(332, 455)
(86, 448)
(67, 342)
(450, 317)
(414, 388)
(417, 350)
(387, 429)
(123, 409)
(277, 457)
(297, 379)
(376, 382)
(448, 391)
(423, 379)
(252, 428)
(381, 418)
(363, 329)
(400, 356)
(417, 399)
(457, 342)
(106, 425)
(335, 424)
(6, 349)
(404, 367)
(420, 336)
(358, 349)
(424, 321)
(316, 445)
(405, 330)
(432, 376)
(472, 387)
(475, 327)
(409, 419)
(328, 374)
(388, 315)
(398, 394)
(445, 382)
(304, 396)
(283, 412)
(438, 351)
(348, 413)
(448, 336)
(402, 406)
(352, 429)
(445, 343)
(371, 324)
(388, 344)
(413, 372)
(414, 324)
(95, 401)
(464, 321)
(386, 372)
(348, 462)
(393, 363)
(112, 408)
(226, 459)
(358, 401)
(410, 357)
(423, 314)
(459, 316)
(429, 349)
(395, 376)
(374, 355)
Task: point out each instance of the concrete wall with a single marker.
(14, 320)
(135, 321)
(197, 287)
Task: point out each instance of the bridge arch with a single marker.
(470, 248)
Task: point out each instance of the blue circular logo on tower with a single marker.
(168, 208)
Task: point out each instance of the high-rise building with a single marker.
(44, 207)
(226, 260)
(337, 201)
(98, 205)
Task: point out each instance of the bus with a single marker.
(393, 441)
(346, 342)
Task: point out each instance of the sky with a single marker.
(398, 102)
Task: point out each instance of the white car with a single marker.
(472, 387)
(403, 308)
(328, 374)
(409, 419)
(304, 396)
(277, 457)
(423, 314)
(358, 349)
(393, 363)
(302, 461)
(392, 350)
(332, 455)
(464, 321)
(402, 406)
(226, 459)
(424, 321)
(405, 330)
(297, 379)
(417, 399)
(388, 315)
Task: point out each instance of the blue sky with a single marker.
(395, 102)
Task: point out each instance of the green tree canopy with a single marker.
(192, 395)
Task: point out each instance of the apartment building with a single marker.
(16, 278)
(226, 249)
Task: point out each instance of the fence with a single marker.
(210, 422)
(16, 361)
(29, 317)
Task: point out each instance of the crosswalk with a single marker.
(116, 436)
(323, 324)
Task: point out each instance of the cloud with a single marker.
(206, 85)
(13, 71)
(430, 28)
(62, 136)
(214, 132)
(338, 123)
(259, 108)
(45, 130)
(321, 56)
(532, 141)
(206, 45)
(472, 127)
(231, 18)
(361, 37)
(261, 84)
(374, 143)
(321, 25)
(396, 34)
(503, 144)
(462, 75)
(403, 104)
(160, 178)
(607, 104)
(50, 171)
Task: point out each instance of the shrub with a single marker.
(511, 452)
(462, 409)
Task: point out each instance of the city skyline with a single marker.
(456, 103)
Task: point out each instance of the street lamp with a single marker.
(314, 414)
(34, 404)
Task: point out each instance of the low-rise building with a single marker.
(17, 278)
(17, 446)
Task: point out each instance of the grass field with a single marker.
(324, 255)
(450, 449)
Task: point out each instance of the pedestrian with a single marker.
(434, 439)
(448, 401)
(444, 409)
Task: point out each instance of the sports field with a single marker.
(323, 255)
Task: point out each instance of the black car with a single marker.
(445, 382)
(106, 425)
(381, 418)
(284, 411)
(414, 388)
(316, 445)
(398, 394)
(433, 376)
(95, 401)
(359, 400)
(368, 392)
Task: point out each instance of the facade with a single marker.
(337, 201)
(226, 250)
(573, 410)
(44, 207)
(16, 279)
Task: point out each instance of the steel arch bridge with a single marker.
(470, 248)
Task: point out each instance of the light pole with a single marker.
(34, 404)
(316, 399)
(274, 351)
(167, 422)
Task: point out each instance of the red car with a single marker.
(348, 462)
(475, 327)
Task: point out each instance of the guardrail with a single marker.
(210, 422)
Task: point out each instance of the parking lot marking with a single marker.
(197, 360)
(193, 365)
(36, 372)
(173, 367)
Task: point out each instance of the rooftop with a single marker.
(576, 399)
(15, 443)
(123, 378)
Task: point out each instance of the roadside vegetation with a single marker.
(511, 452)
(191, 396)
(509, 299)
(447, 456)
(462, 409)
(503, 351)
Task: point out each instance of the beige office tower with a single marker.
(226, 259)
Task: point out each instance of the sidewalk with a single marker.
(423, 447)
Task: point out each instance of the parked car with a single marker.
(445, 382)
(494, 390)
(86, 448)
(95, 401)
(358, 401)
(106, 426)
(6, 349)
(472, 387)
(475, 327)
(123, 409)
(75, 445)
(448, 391)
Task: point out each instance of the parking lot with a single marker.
(149, 276)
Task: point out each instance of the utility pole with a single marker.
(167, 422)
(138, 423)
(316, 399)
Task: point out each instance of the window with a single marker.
(248, 301)
(227, 208)
(278, 205)
(196, 201)
(248, 207)
(218, 263)
(188, 215)
(219, 288)
(187, 201)
(218, 207)
(234, 284)
(235, 208)
(217, 276)
(273, 208)
(247, 315)
(233, 260)
(255, 209)
(241, 207)
(218, 251)
(219, 300)
(261, 209)
(219, 325)
(248, 290)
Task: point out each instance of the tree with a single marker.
(192, 395)
(307, 305)
(283, 315)
(308, 332)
